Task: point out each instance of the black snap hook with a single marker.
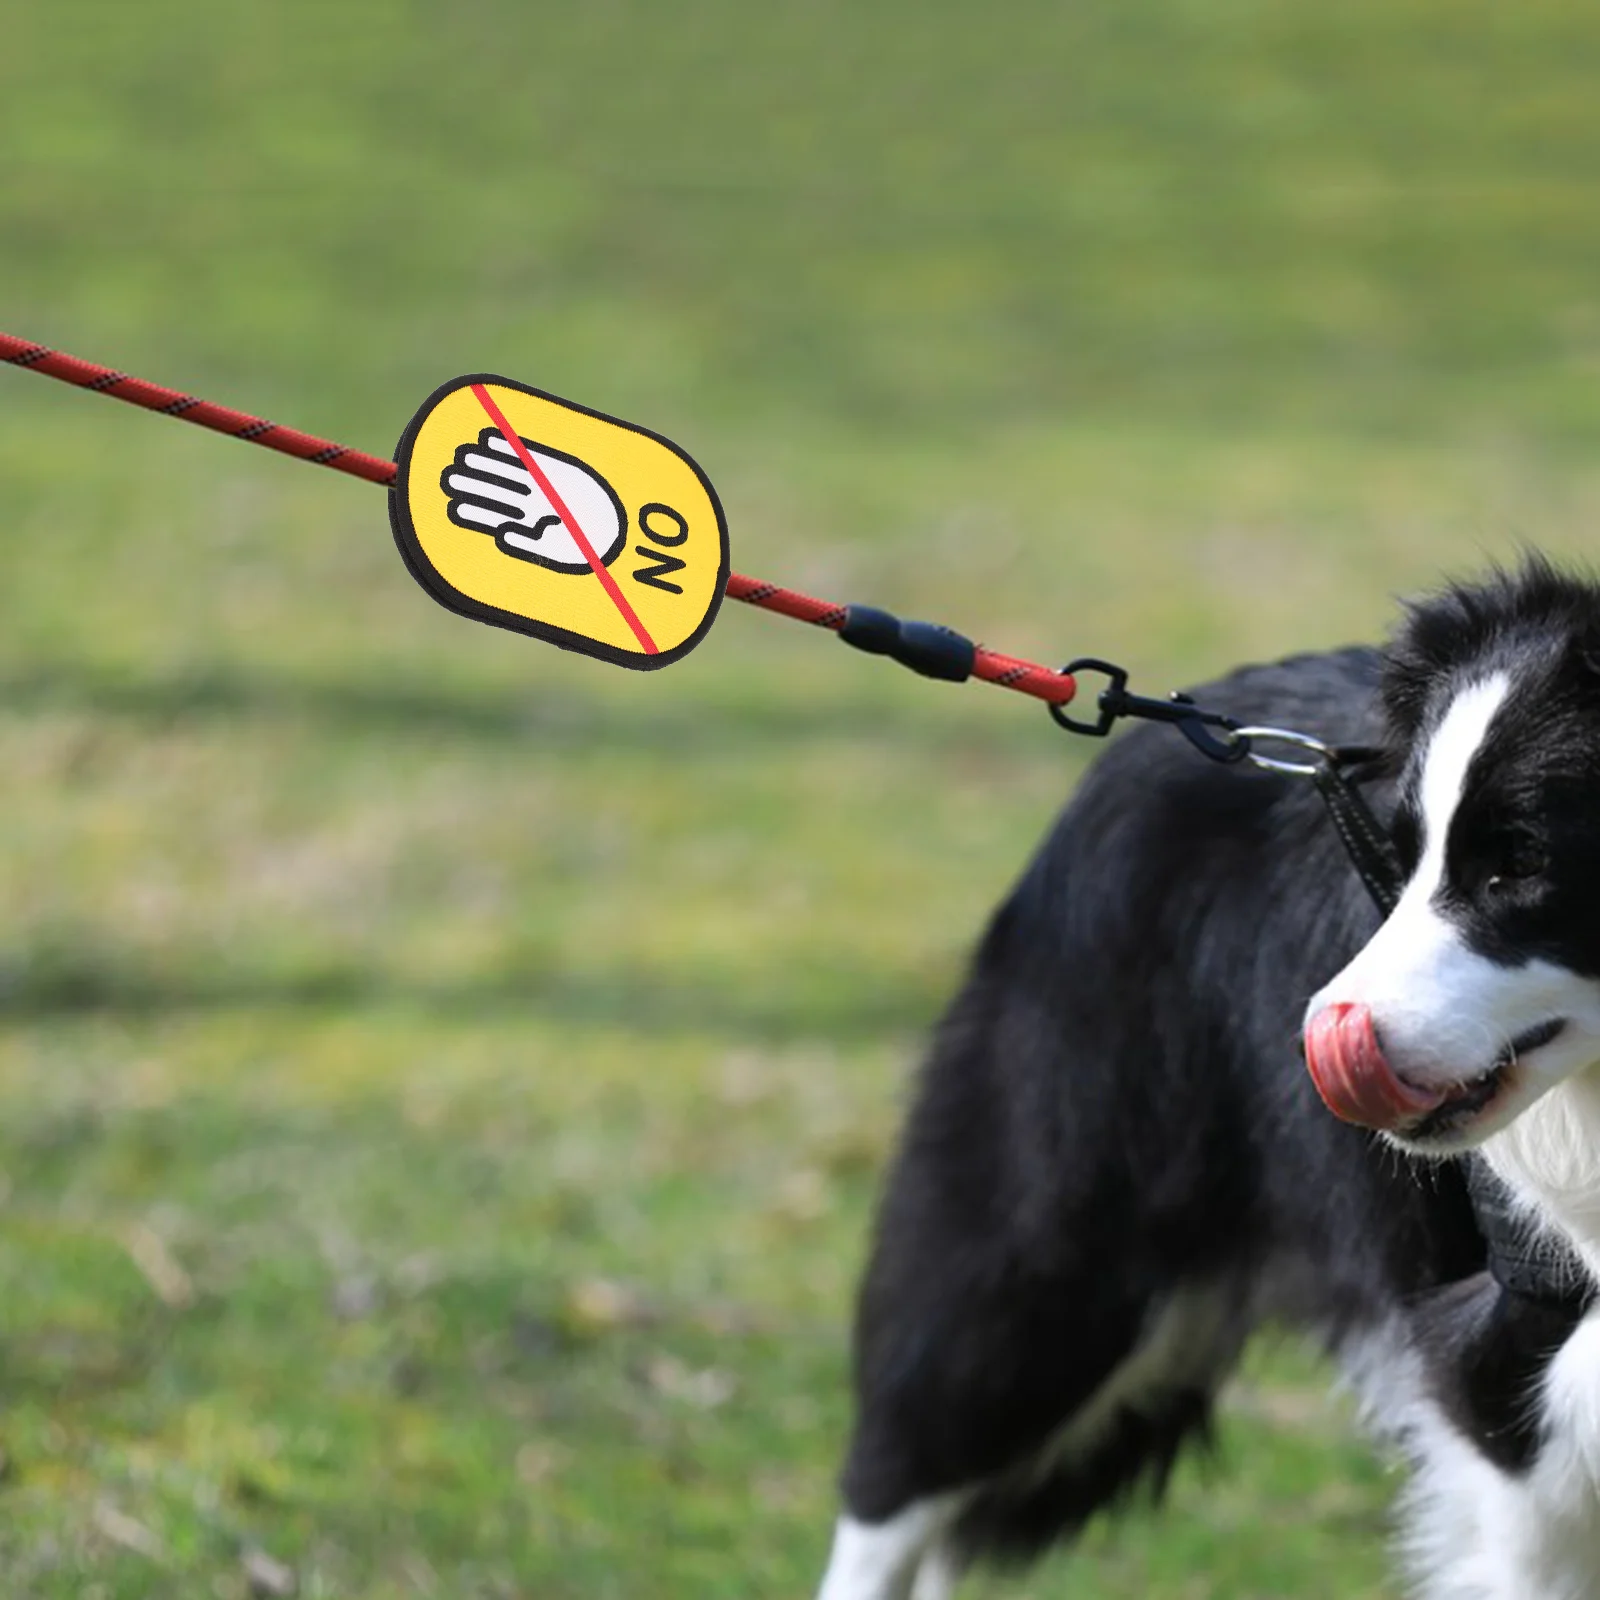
(1194, 723)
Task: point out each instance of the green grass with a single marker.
(443, 1081)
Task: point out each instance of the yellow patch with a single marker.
(519, 509)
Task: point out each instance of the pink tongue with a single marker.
(1355, 1081)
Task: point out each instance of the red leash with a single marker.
(936, 652)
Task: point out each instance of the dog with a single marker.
(1116, 1165)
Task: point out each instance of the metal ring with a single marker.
(1302, 741)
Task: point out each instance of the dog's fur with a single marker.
(1116, 1165)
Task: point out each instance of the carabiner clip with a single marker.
(1177, 709)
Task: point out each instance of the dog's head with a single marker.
(1481, 991)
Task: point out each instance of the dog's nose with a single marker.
(1352, 1074)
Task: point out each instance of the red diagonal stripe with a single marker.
(618, 598)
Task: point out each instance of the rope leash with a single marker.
(204, 413)
(925, 647)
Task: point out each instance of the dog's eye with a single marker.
(1522, 856)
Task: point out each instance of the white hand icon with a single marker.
(492, 492)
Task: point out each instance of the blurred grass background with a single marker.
(443, 1081)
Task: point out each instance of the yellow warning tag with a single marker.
(516, 508)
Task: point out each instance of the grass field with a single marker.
(443, 1081)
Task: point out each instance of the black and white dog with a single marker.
(1117, 1165)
